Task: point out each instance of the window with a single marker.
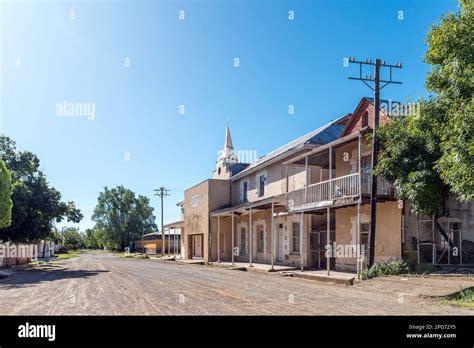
(244, 187)
(262, 179)
(365, 119)
(244, 191)
(261, 239)
(364, 236)
(243, 244)
(295, 237)
(366, 163)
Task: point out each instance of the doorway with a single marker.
(196, 246)
(280, 242)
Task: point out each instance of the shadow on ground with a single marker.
(44, 273)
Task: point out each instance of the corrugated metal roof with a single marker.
(320, 136)
(237, 168)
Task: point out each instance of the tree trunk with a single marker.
(443, 232)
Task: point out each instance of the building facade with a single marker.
(305, 204)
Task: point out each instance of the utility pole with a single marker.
(377, 64)
(162, 192)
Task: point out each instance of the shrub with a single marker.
(390, 267)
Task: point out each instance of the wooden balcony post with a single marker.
(358, 247)
(301, 239)
(218, 239)
(328, 239)
(250, 238)
(330, 172)
(232, 249)
(306, 180)
(359, 161)
(273, 233)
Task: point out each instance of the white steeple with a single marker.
(227, 157)
(228, 153)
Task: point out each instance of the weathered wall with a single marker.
(276, 182)
(263, 219)
(388, 237)
(346, 157)
(196, 213)
(199, 201)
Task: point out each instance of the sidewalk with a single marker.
(321, 275)
(256, 267)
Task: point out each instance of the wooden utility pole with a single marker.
(375, 141)
(162, 192)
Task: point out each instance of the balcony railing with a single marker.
(325, 192)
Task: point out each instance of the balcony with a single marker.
(338, 190)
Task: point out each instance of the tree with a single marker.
(122, 216)
(451, 54)
(36, 205)
(95, 238)
(5, 196)
(72, 238)
(429, 154)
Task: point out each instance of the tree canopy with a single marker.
(122, 216)
(72, 238)
(36, 205)
(5, 196)
(429, 154)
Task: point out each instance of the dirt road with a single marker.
(103, 284)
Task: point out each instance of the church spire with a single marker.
(228, 147)
(227, 157)
(228, 153)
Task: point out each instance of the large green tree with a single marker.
(36, 205)
(72, 238)
(5, 196)
(123, 216)
(96, 238)
(429, 154)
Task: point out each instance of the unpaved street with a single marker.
(102, 284)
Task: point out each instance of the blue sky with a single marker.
(137, 137)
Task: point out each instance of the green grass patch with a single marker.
(131, 255)
(68, 255)
(390, 267)
(463, 298)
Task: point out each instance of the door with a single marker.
(197, 246)
(222, 245)
(314, 249)
(322, 249)
(280, 243)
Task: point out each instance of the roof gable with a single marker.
(355, 123)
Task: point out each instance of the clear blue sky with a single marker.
(46, 58)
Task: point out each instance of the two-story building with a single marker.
(299, 205)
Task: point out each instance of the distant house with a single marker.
(151, 243)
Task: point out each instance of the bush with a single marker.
(466, 295)
(390, 267)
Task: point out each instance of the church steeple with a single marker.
(227, 157)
